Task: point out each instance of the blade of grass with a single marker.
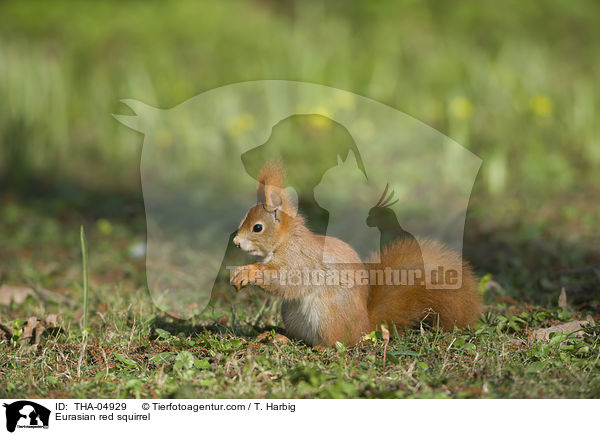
(84, 256)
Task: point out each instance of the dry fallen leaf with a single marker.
(568, 328)
(562, 299)
(34, 328)
(5, 333)
(262, 336)
(52, 320)
(277, 338)
(9, 293)
(29, 329)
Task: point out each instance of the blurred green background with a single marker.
(515, 82)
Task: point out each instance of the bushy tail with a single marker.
(406, 304)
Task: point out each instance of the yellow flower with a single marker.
(541, 105)
(104, 226)
(320, 121)
(461, 108)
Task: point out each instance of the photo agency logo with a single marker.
(25, 414)
(356, 170)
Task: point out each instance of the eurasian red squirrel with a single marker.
(326, 298)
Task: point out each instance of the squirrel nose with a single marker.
(236, 241)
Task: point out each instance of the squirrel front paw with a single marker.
(244, 275)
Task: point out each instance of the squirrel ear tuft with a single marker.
(285, 200)
(271, 191)
(272, 174)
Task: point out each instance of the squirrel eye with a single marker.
(257, 228)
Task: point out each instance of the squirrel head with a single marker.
(272, 219)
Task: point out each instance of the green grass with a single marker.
(134, 350)
(84, 268)
(514, 83)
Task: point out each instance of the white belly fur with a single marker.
(303, 318)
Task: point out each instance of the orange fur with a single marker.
(407, 305)
(325, 313)
(272, 174)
